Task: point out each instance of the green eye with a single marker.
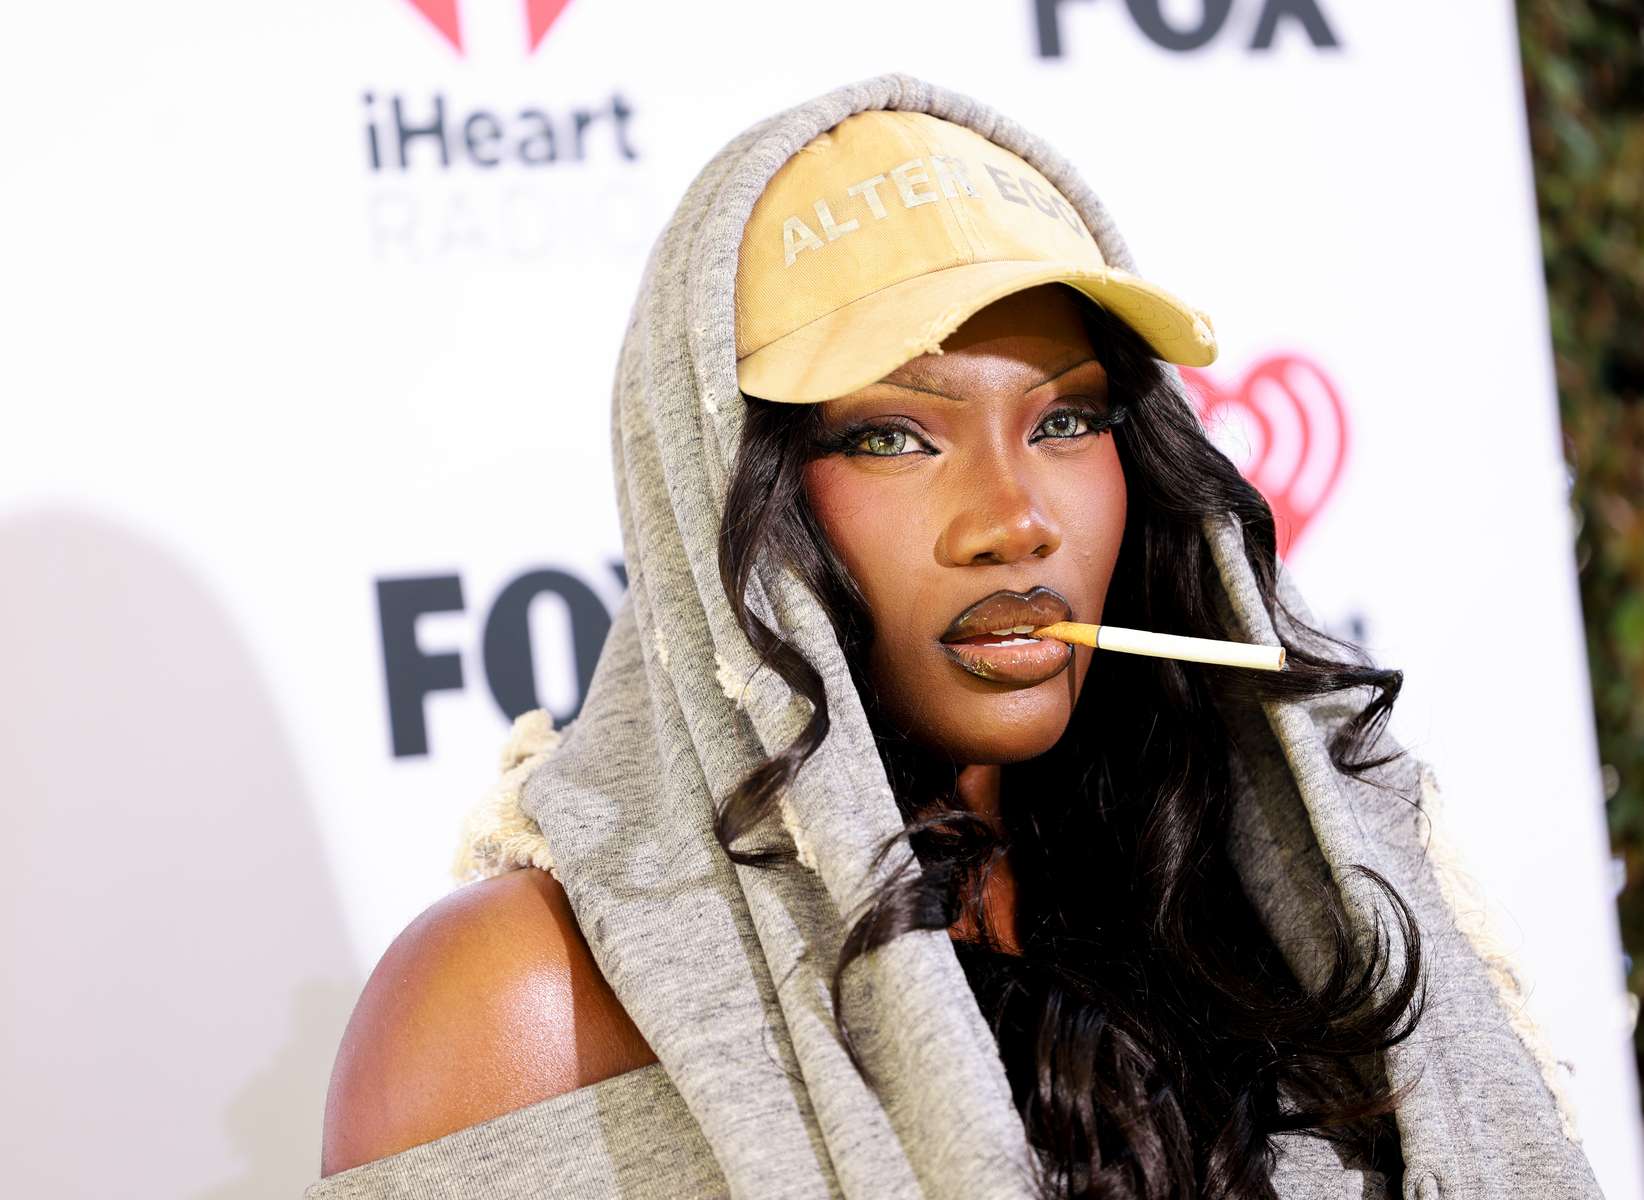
(1070, 424)
(896, 439)
(1069, 419)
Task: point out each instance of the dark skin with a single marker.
(491, 1000)
(986, 472)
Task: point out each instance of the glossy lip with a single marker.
(1002, 610)
(1039, 660)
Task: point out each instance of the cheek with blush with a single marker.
(876, 536)
(879, 541)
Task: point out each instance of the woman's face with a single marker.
(967, 473)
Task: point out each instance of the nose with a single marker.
(998, 519)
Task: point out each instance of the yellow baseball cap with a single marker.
(881, 236)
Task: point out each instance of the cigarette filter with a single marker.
(1166, 645)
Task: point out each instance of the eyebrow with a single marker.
(919, 380)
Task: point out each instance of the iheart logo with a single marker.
(1284, 426)
(539, 18)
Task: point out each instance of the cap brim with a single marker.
(869, 338)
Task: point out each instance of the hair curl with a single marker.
(1154, 1037)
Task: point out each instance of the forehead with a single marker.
(941, 372)
(1022, 340)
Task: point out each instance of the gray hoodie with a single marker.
(726, 970)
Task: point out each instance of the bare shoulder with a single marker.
(488, 1002)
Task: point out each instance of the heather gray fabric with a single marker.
(726, 970)
(632, 1136)
(624, 1136)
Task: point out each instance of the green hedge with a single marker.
(1584, 89)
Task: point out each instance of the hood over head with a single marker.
(726, 969)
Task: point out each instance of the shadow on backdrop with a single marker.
(180, 971)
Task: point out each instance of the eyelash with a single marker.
(846, 440)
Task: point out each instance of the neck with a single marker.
(978, 790)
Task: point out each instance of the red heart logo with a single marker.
(540, 16)
(1285, 428)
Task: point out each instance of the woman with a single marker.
(839, 884)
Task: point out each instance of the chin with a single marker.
(1018, 745)
(991, 730)
(970, 720)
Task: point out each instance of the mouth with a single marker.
(992, 638)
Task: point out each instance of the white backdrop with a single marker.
(304, 485)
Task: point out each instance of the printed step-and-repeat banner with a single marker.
(311, 315)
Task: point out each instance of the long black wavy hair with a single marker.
(1154, 1037)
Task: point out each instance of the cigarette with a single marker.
(1166, 645)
